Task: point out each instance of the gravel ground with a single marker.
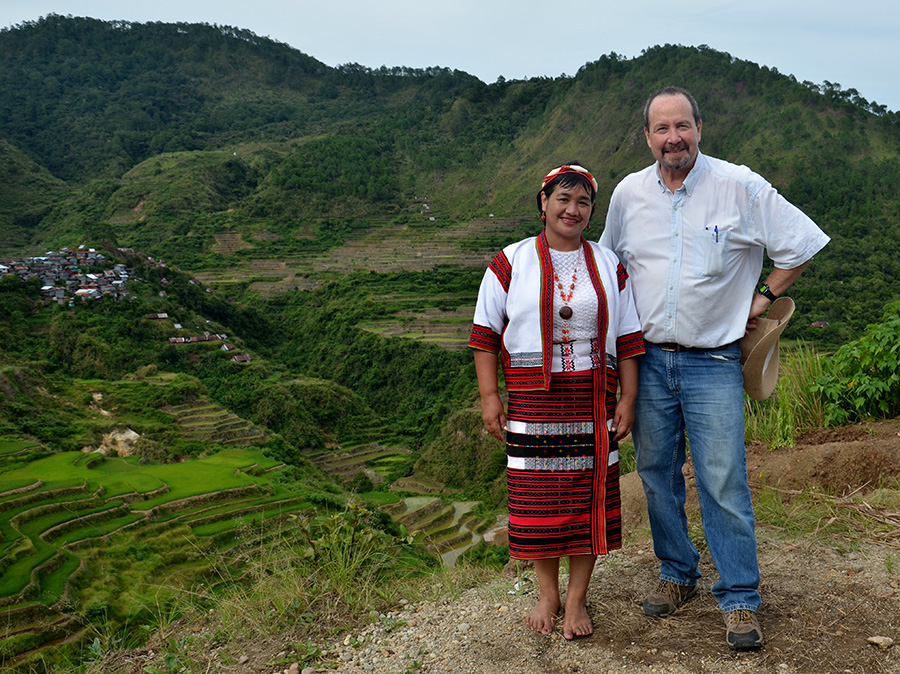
(483, 631)
(820, 608)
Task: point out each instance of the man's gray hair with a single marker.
(672, 91)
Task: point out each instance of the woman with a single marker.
(558, 313)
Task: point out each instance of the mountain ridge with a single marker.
(163, 137)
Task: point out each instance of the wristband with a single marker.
(766, 292)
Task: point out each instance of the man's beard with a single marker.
(681, 163)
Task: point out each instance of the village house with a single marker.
(54, 293)
(88, 292)
(197, 339)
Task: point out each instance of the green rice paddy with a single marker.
(67, 515)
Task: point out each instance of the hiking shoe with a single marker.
(667, 598)
(742, 630)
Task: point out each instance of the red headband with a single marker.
(570, 168)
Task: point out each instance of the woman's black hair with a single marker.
(568, 180)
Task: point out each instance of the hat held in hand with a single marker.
(759, 349)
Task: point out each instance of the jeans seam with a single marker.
(740, 607)
(676, 581)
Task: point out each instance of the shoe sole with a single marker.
(748, 646)
(655, 611)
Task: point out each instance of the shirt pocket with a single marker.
(710, 248)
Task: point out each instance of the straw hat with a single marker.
(759, 349)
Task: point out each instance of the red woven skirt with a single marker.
(562, 470)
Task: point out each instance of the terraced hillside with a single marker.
(413, 246)
(445, 327)
(373, 458)
(60, 515)
(448, 526)
(204, 421)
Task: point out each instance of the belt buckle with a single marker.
(670, 347)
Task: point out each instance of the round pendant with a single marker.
(565, 313)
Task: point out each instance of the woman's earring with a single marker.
(543, 216)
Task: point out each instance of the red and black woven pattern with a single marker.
(502, 269)
(628, 346)
(484, 339)
(563, 497)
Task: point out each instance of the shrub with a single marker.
(361, 483)
(863, 378)
(491, 556)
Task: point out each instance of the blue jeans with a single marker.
(700, 394)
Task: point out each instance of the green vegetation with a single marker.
(795, 407)
(15, 445)
(858, 382)
(186, 488)
(110, 548)
(862, 379)
(841, 521)
(144, 481)
(249, 162)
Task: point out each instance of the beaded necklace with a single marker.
(565, 311)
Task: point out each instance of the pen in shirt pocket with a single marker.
(715, 232)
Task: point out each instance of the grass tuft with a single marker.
(795, 407)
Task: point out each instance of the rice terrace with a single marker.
(168, 526)
(68, 506)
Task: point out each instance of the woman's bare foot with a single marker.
(542, 618)
(577, 622)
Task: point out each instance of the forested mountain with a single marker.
(162, 136)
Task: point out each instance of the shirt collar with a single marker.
(692, 178)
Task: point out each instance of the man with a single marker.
(691, 231)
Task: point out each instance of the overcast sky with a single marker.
(855, 43)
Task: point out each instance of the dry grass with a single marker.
(846, 521)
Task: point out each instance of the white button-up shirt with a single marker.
(694, 256)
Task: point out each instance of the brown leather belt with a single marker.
(673, 346)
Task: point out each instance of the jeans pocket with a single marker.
(729, 355)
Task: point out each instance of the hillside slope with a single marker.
(829, 586)
(170, 137)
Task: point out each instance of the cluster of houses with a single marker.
(424, 209)
(64, 277)
(205, 337)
